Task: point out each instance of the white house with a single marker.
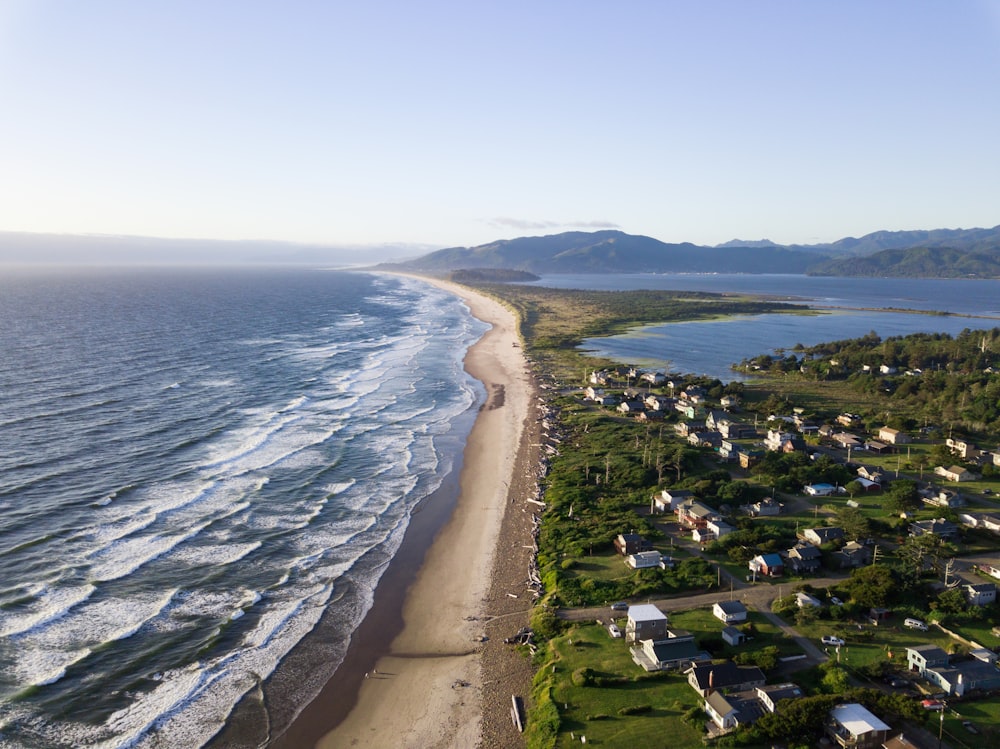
(853, 725)
(730, 611)
(642, 560)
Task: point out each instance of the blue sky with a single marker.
(456, 123)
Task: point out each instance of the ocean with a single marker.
(195, 465)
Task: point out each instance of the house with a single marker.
(846, 440)
(694, 514)
(874, 475)
(852, 726)
(677, 651)
(732, 636)
(630, 543)
(877, 447)
(852, 554)
(942, 497)
(980, 594)
(724, 676)
(749, 458)
(668, 500)
(643, 560)
(786, 442)
(732, 710)
(645, 622)
(820, 536)
(820, 490)
(921, 657)
(720, 528)
(729, 612)
(631, 407)
(940, 527)
(901, 742)
(846, 419)
(770, 695)
(893, 436)
(955, 473)
(653, 378)
(961, 677)
(684, 428)
(767, 507)
(803, 600)
(804, 559)
(962, 448)
(659, 403)
(767, 565)
(729, 401)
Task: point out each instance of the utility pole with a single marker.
(874, 555)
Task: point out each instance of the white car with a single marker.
(614, 630)
(836, 601)
(831, 640)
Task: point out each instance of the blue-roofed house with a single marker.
(768, 565)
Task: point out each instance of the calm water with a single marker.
(195, 465)
(711, 348)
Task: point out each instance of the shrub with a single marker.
(635, 709)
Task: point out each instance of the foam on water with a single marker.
(295, 458)
(49, 604)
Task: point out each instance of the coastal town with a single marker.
(799, 577)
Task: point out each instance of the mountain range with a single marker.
(941, 253)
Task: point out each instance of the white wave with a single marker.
(49, 605)
(125, 557)
(215, 556)
(43, 655)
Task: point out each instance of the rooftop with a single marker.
(857, 719)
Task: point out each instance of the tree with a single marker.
(872, 586)
(951, 601)
(854, 523)
(835, 680)
(903, 496)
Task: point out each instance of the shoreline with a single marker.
(428, 666)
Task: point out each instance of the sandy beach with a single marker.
(445, 678)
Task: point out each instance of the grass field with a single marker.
(593, 711)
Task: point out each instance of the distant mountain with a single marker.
(613, 252)
(955, 239)
(941, 253)
(916, 262)
(749, 243)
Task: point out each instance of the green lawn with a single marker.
(581, 707)
(701, 623)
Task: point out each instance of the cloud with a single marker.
(507, 222)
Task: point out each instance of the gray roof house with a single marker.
(677, 651)
(730, 611)
(804, 559)
(820, 536)
(725, 676)
(645, 622)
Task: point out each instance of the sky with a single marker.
(457, 123)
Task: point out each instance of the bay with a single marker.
(851, 307)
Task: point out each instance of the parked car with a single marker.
(836, 601)
(614, 630)
(831, 640)
(915, 624)
(896, 681)
(932, 705)
(620, 606)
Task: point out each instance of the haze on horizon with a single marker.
(407, 127)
